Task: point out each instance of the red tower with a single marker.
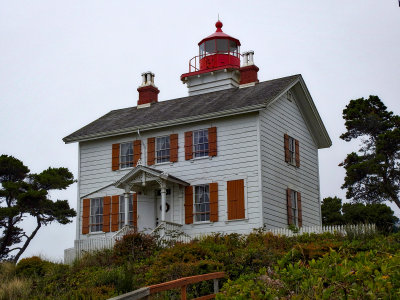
(217, 67)
(217, 51)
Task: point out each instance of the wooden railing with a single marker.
(182, 283)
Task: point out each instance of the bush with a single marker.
(32, 266)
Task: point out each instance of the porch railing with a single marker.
(170, 231)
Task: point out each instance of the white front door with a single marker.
(146, 213)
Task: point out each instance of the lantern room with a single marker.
(219, 50)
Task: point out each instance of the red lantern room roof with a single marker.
(219, 34)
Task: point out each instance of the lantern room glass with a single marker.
(221, 46)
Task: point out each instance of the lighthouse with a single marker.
(218, 65)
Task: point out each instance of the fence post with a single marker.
(216, 287)
(183, 292)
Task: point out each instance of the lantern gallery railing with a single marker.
(214, 60)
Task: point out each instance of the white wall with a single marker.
(237, 139)
(283, 116)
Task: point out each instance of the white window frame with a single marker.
(127, 163)
(166, 158)
(96, 215)
(203, 215)
(121, 211)
(292, 150)
(295, 212)
(204, 152)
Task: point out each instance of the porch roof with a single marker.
(140, 175)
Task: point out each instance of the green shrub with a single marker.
(32, 266)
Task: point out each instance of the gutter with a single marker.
(151, 126)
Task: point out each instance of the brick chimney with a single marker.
(148, 92)
(248, 70)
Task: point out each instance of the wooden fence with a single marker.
(182, 283)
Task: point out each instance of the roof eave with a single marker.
(157, 125)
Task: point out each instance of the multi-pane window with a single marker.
(162, 149)
(122, 210)
(126, 157)
(96, 214)
(292, 150)
(202, 203)
(200, 143)
(293, 198)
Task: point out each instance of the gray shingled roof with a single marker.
(122, 120)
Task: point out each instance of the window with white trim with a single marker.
(96, 214)
(200, 143)
(201, 210)
(122, 210)
(292, 151)
(126, 156)
(162, 149)
(293, 199)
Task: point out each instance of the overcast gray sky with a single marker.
(65, 63)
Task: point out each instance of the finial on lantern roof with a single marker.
(219, 25)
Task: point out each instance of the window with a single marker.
(294, 213)
(292, 150)
(126, 157)
(202, 203)
(122, 210)
(200, 143)
(235, 197)
(96, 214)
(162, 149)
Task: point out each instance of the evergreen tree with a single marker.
(373, 173)
(23, 194)
(331, 210)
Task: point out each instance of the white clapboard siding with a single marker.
(283, 116)
(237, 140)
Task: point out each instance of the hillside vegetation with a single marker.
(259, 266)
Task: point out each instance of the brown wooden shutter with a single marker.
(151, 151)
(236, 209)
(106, 213)
(188, 204)
(299, 210)
(188, 145)
(85, 216)
(212, 141)
(115, 157)
(297, 149)
(289, 206)
(286, 147)
(173, 143)
(114, 212)
(135, 212)
(137, 151)
(214, 202)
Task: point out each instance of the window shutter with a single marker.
(235, 193)
(114, 212)
(151, 151)
(115, 157)
(188, 145)
(137, 151)
(214, 202)
(85, 216)
(173, 143)
(287, 153)
(297, 151)
(106, 213)
(289, 206)
(189, 205)
(135, 216)
(212, 141)
(299, 210)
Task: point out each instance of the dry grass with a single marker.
(12, 287)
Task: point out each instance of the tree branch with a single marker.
(28, 240)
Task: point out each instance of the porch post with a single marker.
(163, 200)
(126, 207)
